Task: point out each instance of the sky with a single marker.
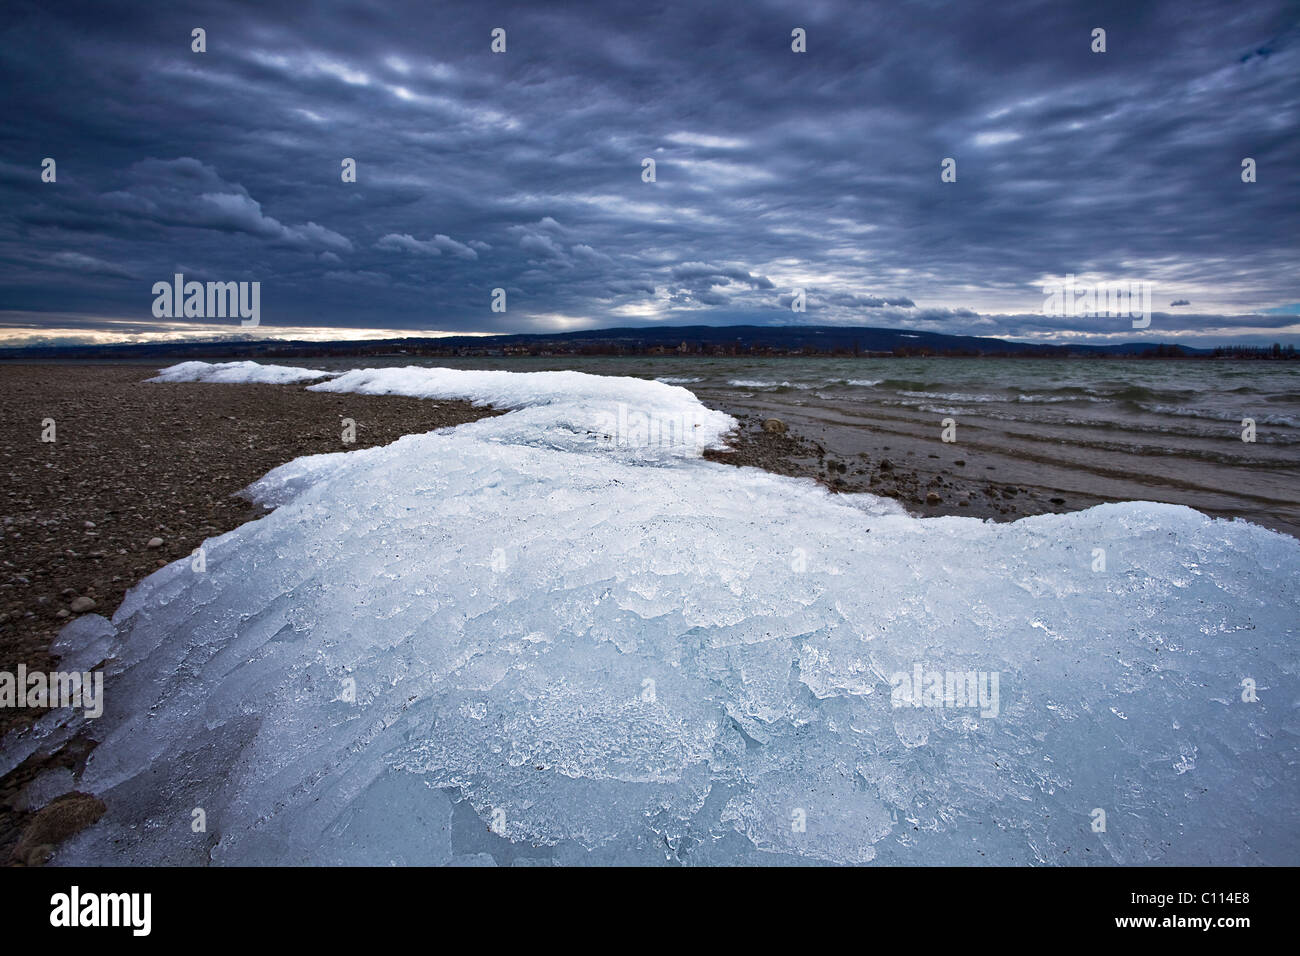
(774, 170)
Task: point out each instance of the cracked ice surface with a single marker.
(609, 654)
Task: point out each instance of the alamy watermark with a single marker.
(213, 300)
(55, 689)
(927, 688)
(1126, 299)
(636, 428)
(75, 908)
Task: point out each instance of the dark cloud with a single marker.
(775, 171)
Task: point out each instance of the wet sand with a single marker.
(925, 483)
(948, 480)
(904, 457)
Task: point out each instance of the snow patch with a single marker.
(238, 373)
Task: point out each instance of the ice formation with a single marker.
(550, 637)
(238, 372)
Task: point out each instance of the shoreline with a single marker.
(975, 478)
(136, 461)
(932, 486)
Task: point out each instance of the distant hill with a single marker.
(690, 339)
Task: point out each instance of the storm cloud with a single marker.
(774, 171)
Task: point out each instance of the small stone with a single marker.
(774, 425)
(39, 855)
(933, 498)
(886, 465)
(56, 822)
(960, 461)
(82, 604)
(155, 543)
(1058, 501)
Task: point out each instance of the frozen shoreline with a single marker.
(500, 595)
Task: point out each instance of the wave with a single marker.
(775, 386)
(1186, 411)
(1049, 399)
(954, 397)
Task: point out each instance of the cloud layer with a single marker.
(774, 171)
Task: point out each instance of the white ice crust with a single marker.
(238, 373)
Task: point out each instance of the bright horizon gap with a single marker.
(26, 335)
(120, 331)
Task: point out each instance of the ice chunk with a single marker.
(564, 410)
(47, 785)
(84, 643)
(233, 373)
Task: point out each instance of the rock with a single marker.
(155, 543)
(886, 465)
(933, 498)
(1058, 501)
(960, 461)
(81, 605)
(39, 855)
(55, 823)
(775, 426)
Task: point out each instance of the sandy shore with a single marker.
(976, 476)
(928, 478)
(131, 463)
